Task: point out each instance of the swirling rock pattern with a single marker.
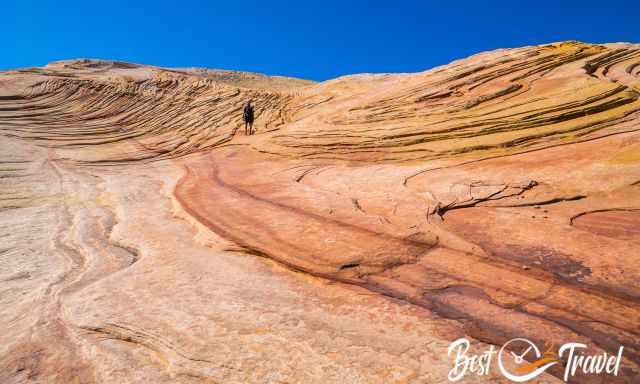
(146, 238)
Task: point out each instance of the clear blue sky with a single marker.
(316, 40)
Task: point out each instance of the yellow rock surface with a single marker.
(369, 221)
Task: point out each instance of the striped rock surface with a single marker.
(368, 222)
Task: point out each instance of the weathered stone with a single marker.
(369, 222)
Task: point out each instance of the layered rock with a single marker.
(497, 196)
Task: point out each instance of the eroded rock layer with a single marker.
(495, 197)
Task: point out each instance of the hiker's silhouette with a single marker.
(247, 115)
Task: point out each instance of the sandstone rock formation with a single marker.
(370, 221)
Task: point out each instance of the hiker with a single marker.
(248, 118)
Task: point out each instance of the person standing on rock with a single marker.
(248, 118)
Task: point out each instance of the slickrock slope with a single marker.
(369, 222)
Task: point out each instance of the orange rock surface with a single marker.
(369, 221)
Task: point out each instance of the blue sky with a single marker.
(316, 40)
